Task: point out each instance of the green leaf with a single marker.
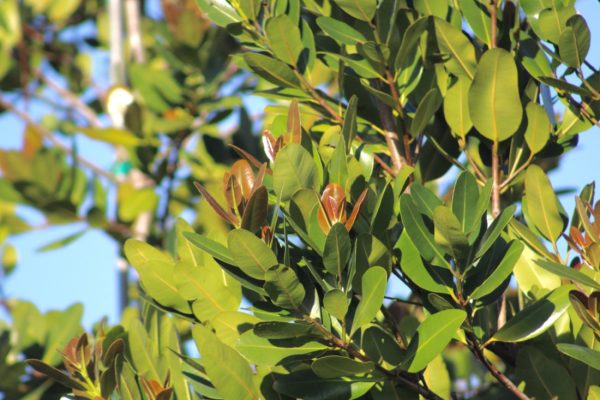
(349, 127)
(284, 330)
(499, 274)
(294, 169)
(427, 107)
(431, 338)
(380, 346)
(55, 374)
(340, 31)
(215, 249)
(304, 384)
(478, 16)
(62, 242)
(139, 347)
(574, 42)
(564, 86)
(120, 137)
(284, 287)
(221, 13)
(233, 378)
(337, 250)
(374, 283)
(495, 230)
(359, 9)
(419, 234)
(581, 353)
(431, 278)
(538, 129)
(439, 8)
(62, 327)
(536, 318)
(425, 200)
(336, 303)
(453, 42)
(456, 107)
(250, 253)
(545, 210)
(569, 273)
(465, 197)
(448, 232)
(553, 21)
(494, 102)
(284, 38)
(543, 377)
(262, 351)
(273, 70)
(338, 366)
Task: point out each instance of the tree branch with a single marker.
(57, 143)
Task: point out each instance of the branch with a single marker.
(75, 102)
(389, 130)
(132, 13)
(48, 135)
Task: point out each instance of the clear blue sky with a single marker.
(85, 271)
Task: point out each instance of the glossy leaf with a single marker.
(453, 42)
(294, 169)
(250, 253)
(494, 103)
(426, 109)
(545, 214)
(495, 230)
(448, 232)
(500, 272)
(340, 31)
(359, 9)
(215, 249)
(431, 338)
(569, 273)
(538, 129)
(337, 250)
(477, 14)
(262, 351)
(273, 70)
(581, 353)
(536, 318)
(338, 366)
(574, 42)
(336, 303)
(374, 283)
(464, 200)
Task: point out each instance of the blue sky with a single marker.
(85, 271)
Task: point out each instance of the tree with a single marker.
(282, 281)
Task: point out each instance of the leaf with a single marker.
(284, 330)
(120, 137)
(340, 31)
(553, 21)
(536, 318)
(337, 250)
(431, 278)
(574, 42)
(431, 338)
(304, 384)
(465, 197)
(215, 249)
(564, 86)
(569, 273)
(380, 345)
(338, 366)
(232, 379)
(140, 353)
(543, 377)
(62, 242)
(453, 41)
(477, 15)
(273, 70)
(255, 213)
(284, 38)
(581, 353)
(359, 9)
(494, 102)
(456, 107)
(448, 233)
(374, 283)
(55, 374)
(419, 234)
(538, 129)
(284, 287)
(427, 107)
(262, 351)
(545, 211)
(495, 230)
(500, 272)
(336, 303)
(221, 13)
(250, 253)
(62, 326)
(294, 169)
(349, 126)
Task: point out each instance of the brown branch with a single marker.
(500, 377)
(57, 143)
(495, 179)
(389, 131)
(494, 23)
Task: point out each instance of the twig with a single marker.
(389, 130)
(495, 179)
(397, 300)
(57, 143)
(132, 13)
(77, 104)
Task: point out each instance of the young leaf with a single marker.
(494, 102)
(374, 283)
(431, 338)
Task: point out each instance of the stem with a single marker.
(495, 180)
(57, 143)
(389, 130)
(500, 377)
(515, 173)
(494, 23)
(132, 11)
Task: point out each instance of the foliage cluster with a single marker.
(332, 261)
